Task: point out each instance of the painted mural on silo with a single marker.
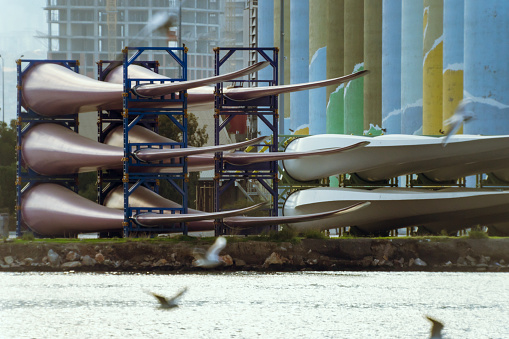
(391, 66)
(265, 39)
(317, 66)
(373, 63)
(284, 56)
(486, 77)
(335, 111)
(299, 66)
(411, 66)
(335, 65)
(432, 67)
(453, 58)
(354, 62)
(336, 119)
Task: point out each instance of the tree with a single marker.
(8, 166)
(7, 143)
(197, 137)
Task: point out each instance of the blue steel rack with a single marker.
(133, 175)
(109, 120)
(26, 119)
(266, 110)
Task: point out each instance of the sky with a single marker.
(20, 22)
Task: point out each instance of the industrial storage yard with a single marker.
(375, 175)
(289, 219)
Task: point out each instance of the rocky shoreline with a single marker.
(357, 254)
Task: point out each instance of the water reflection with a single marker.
(250, 305)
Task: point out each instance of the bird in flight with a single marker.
(159, 23)
(461, 115)
(436, 328)
(210, 259)
(168, 303)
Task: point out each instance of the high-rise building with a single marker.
(93, 30)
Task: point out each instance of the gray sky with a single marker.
(20, 22)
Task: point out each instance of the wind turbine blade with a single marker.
(242, 94)
(144, 197)
(52, 149)
(155, 154)
(157, 90)
(155, 219)
(51, 90)
(51, 209)
(245, 222)
(242, 159)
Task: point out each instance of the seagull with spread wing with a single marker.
(210, 259)
(168, 303)
(159, 23)
(461, 115)
(436, 329)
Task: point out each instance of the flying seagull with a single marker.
(436, 328)
(169, 303)
(210, 259)
(460, 116)
(160, 22)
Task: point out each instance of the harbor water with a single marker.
(254, 305)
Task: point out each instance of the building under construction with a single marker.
(91, 30)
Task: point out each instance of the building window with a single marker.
(81, 15)
(139, 3)
(54, 45)
(138, 16)
(54, 15)
(202, 4)
(213, 19)
(54, 29)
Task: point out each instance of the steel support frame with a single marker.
(26, 119)
(421, 181)
(266, 109)
(287, 185)
(109, 120)
(131, 178)
(489, 180)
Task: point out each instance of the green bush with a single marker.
(477, 234)
(183, 237)
(8, 166)
(28, 236)
(286, 234)
(314, 234)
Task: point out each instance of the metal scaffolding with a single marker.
(107, 121)
(134, 172)
(111, 119)
(266, 110)
(26, 119)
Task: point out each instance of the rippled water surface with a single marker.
(254, 305)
